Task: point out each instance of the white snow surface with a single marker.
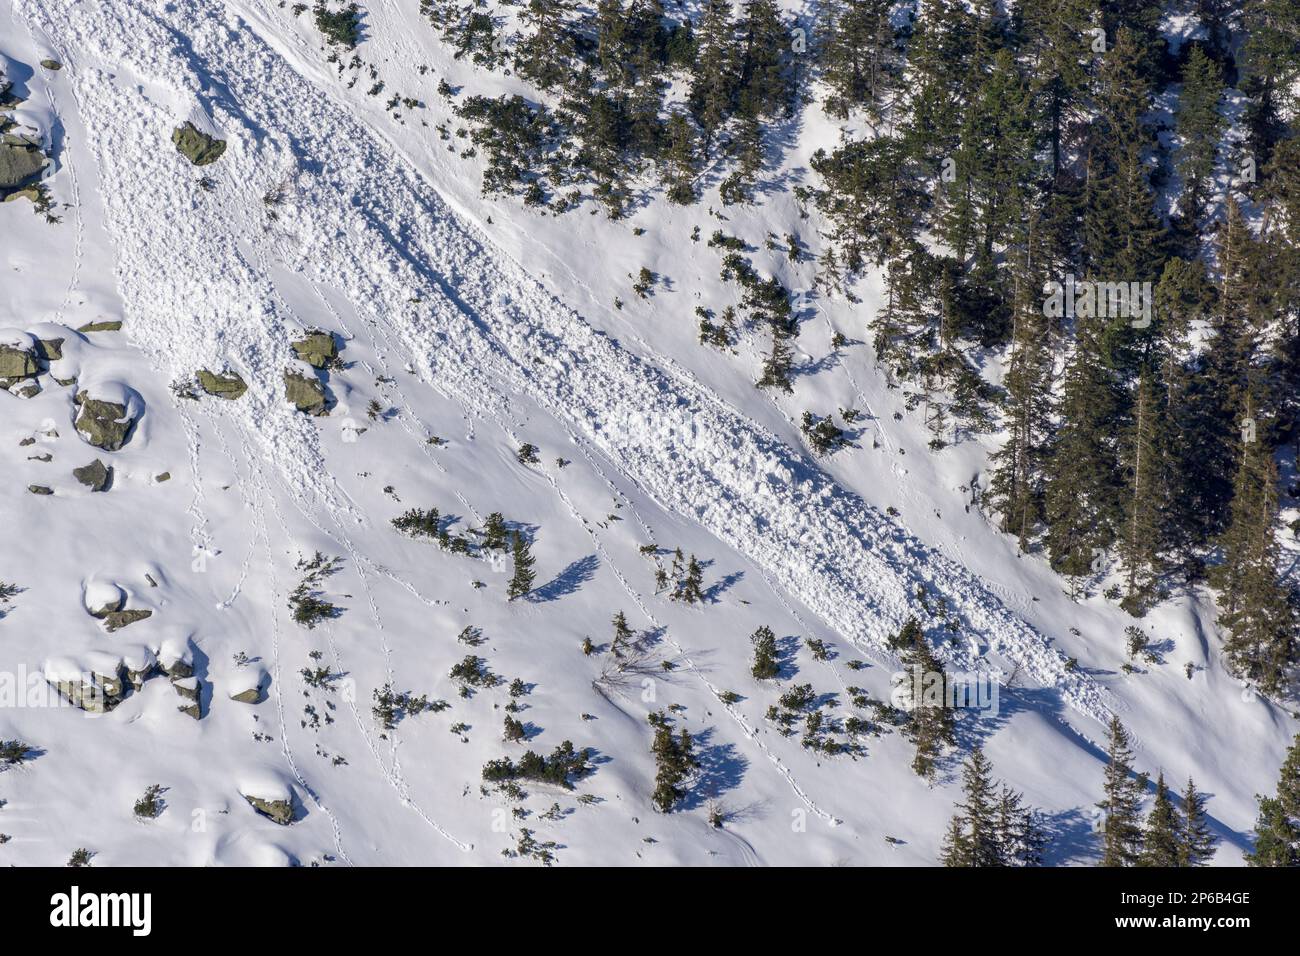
(486, 325)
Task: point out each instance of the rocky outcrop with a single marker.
(277, 811)
(94, 476)
(197, 146)
(306, 394)
(97, 691)
(227, 385)
(20, 162)
(107, 325)
(104, 424)
(190, 690)
(17, 363)
(317, 349)
(116, 620)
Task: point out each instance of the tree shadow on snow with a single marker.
(568, 581)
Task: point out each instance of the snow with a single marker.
(486, 336)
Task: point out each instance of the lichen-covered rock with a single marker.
(116, 620)
(277, 811)
(227, 385)
(16, 363)
(104, 424)
(25, 388)
(51, 64)
(50, 350)
(40, 490)
(96, 689)
(197, 146)
(94, 476)
(317, 349)
(20, 161)
(306, 394)
(106, 325)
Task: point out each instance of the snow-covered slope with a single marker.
(487, 326)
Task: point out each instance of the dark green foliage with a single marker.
(1122, 827)
(521, 581)
(766, 665)
(340, 27)
(561, 768)
(675, 761)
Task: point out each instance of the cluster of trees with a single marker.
(1170, 836)
(1277, 830)
(1146, 406)
(675, 761)
(609, 69)
(1016, 192)
(993, 825)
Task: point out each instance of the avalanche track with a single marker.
(361, 218)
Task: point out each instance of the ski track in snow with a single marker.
(366, 223)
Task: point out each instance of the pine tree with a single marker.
(521, 582)
(1020, 830)
(975, 823)
(859, 56)
(1277, 828)
(714, 80)
(495, 534)
(930, 727)
(1258, 607)
(546, 50)
(766, 665)
(622, 633)
(1162, 842)
(1143, 530)
(1122, 830)
(1200, 127)
(1198, 839)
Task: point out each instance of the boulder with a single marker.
(94, 476)
(196, 146)
(40, 490)
(31, 193)
(20, 161)
(277, 811)
(317, 349)
(306, 394)
(107, 325)
(25, 388)
(16, 363)
(227, 385)
(116, 620)
(49, 350)
(51, 64)
(96, 689)
(104, 424)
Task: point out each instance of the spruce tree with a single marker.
(521, 582)
(1122, 829)
(1258, 606)
(976, 822)
(766, 665)
(1163, 839)
(1198, 839)
(1200, 128)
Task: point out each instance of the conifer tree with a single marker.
(1122, 829)
(859, 56)
(1198, 839)
(766, 665)
(1200, 127)
(521, 582)
(1258, 607)
(975, 824)
(1144, 495)
(715, 79)
(1162, 842)
(1277, 828)
(930, 727)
